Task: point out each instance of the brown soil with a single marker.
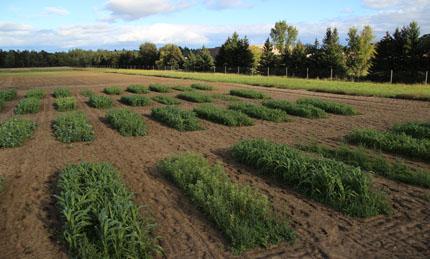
(29, 225)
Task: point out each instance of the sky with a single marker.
(125, 24)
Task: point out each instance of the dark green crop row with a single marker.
(241, 213)
(66, 103)
(225, 97)
(202, 87)
(28, 105)
(135, 100)
(160, 88)
(87, 93)
(301, 110)
(166, 99)
(194, 96)
(414, 129)
(112, 90)
(73, 127)
(98, 215)
(137, 89)
(62, 92)
(176, 118)
(252, 94)
(100, 101)
(330, 107)
(259, 112)
(223, 116)
(8, 95)
(126, 122)
(36, 93)
(15, 131)
(346, 189)
(182, 88)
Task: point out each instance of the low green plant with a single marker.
(247, 93)
(176, 118)
(301, 110)
(8, 95)
(414, 129)
(241, 213)
(160, 88)
(15, 131)
(87, 93)
(223, 116)
(182, 88)
(35, 93)
(164, 99)
(344, 188)
(194, 96)
(202, 87)
(100, 101)
(66, 103)
(112, 90)
(396, 143)
(225, 97)
(62, 92)
(259, 112)
(73, 127)
(28, 105)
(127, 122)
(330, 107)
(99, 217)
(135, 100)
(372, 163)
(137, 89)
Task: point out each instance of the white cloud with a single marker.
(224, 4)
(54, 10)
(346, 10)
(14, 27)
(389, 4)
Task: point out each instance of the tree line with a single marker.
(405, 52)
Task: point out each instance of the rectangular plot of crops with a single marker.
(301, 110)
(223, 116)
(127, 122)
(194, 96)
(259, 112)
(176, 118)
(73, 127)
(15, 131)
(330, 107)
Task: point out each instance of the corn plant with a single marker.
(137, 89)
(160, 88)
(126, 122)
(87, 93)
(164, 99)
(98, 215)
(194, 96)
(15, 131)
(225, 97)
(176, 118)
(28, 105)
(36, 93)
(202, 87)
(62, 92)
(100, 101)
(223, 116)
(241, 213)
(66, 103)
(247, 93)
(330, 107)
(419, 130)
(301, 110)
(73, 127)
(8, 95)
(112, 90)
(259, 112)
(344, 188)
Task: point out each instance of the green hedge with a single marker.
(135, 100)
(176, 118)
(413, 129)
(252, 94)
(28, 105)
(330, 107)
(62, 92)
(301, 110)
(127, 122)
(160, 88)
(73, 127)
(166, 99)
(66, 103)
(194, 96)
(202, 87)
(100, 101)
(36, 93)
(112, 90)
(15, 131)
(259, 112)
(223, 116)
(8, 95)
(137, 89)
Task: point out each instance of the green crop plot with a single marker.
(330, 107)
(112, 90)
(259, 112)
(223, 116)
(194, 96)
(66, 103)
(137, 89)
(8, 95)
(127, 122)
(35, 93)
(87, 93)
(202, 87)
(164, 99)
(73, 127)
(160, 88)
(301, 110)
(225, 97)
(182, 88)
(15, 131)
(176, 118)
(252, 94)
(28, 106)
(135, 100)
(62, 92)
(419, 130)
(100, 101)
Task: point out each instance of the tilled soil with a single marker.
(29, 221)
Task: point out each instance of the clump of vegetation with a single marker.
(112, 90)
(330, 107)
(2, 103)
(223, 116)
(176, 118)
(301, 110)
(100, 101)
(127, 122)
(135, 100)
(182, 88)
(346, 189)
(15, 131)
(62, 92)
(99, 218)
(73, 127)
(8, 95)
(28, 105)
(259, 112)
(166, 99)
(243, 215)
(137, 89)
(397, 143)
(194, 96)
(66, 103)
(160, 88)
(247, 93)
(35, 93)
(225, 97)
(87, 93)
(202, 87)
(419, 130)
(372, 163)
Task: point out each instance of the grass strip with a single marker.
(344, 188)
(61, 92)
(176, 118)
(127, 122)
(112, 90)
(66, 103)
(8, 95)
(73, 127)
(99, 218)
(169, 100)
(225, 97)
(223, 116)
(330, 107)
(241, 213)
(301, 110)
(15, 131)
(137, 89)
(259, 112)
(135, 100)
(194, 96)
(202, 87)
(247, 93)
(28, 106)
(100, 101)
(87, 93)
(414, 129)
(35, 93)
(160, 88)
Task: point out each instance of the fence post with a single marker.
(427, 77)
(331, 73)
(268, 71)
(214, 69)
(391, 77)
(286, 72)
(238, 69)
(307, 73)
(225, 70)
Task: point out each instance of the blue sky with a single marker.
(116, 24)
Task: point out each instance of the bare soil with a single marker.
(29, 221)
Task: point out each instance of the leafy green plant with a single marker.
(160, 88)
(135, 100)
(66, 103)
(176, 118)
(223, 116)
(414, 129)
(301, 110)
(73, 127)
(15, 131)
(112, 90)
(8, 95)
(137, 89)
(87, 93)
(346, 189)
(194, 96)
(166, 99)
(247, 93)
(243, 215)
(62, 92)
(35, 93)
(127, 122)
(98, 215)
(259, 112)
(202, 87)
(225, 97)
(182, 88)
(28, 105)
(100, 101)
(397, 143)
(330, 107)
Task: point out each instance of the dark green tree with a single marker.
(333, 54)
(204, 60)
(148, 54)
(268, 58)
(170, 56)
(235, 53)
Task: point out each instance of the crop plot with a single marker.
(247, 93)
(15, 131)
(160, 88)
(182, 88)
(301, 110)
(137, 89)
(35, 93)
(127, 122)
(66, 103)
(87, 93)
(112, 90)
(330, 107)
(223, 116)
(164, 99)
(176, 118)
(9, 95)
(135, 100)
(28, 105)
(73, 127)
(419, 130)
(259, 112)
(225, 97)
(62, 92)
(100, 101)
(202, 87)
(194, 96)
